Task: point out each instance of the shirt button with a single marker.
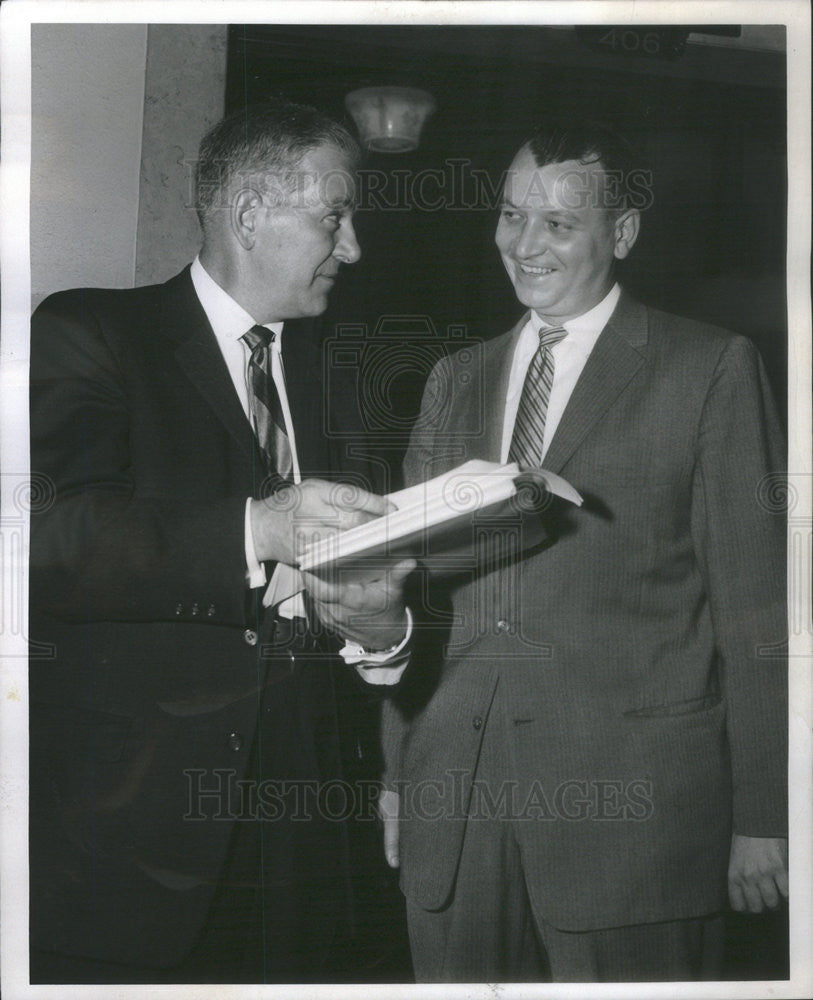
(235, 741)
(503, 625)
(477, 722)
(250, 637)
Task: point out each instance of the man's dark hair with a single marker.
(261, 140)
(591, 142)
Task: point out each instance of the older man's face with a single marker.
(557, 240)
(301, 243)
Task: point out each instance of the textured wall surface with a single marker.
(117, 113)
(183, 97)
(87, 102)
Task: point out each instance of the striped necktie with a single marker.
(529, 429)
(265, 407)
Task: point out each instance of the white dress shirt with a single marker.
(229, 321)
(570, 356)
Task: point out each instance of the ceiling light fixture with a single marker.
(390, 119)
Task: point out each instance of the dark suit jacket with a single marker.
(638, 651)
(150, 679)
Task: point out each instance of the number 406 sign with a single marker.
(660, 43)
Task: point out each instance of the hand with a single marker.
(298, 514)
(366, 607)
(388, 807)
(757, 873)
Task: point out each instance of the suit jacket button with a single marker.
(502, 625)
(235, 741)
(477, 722)
(250, 637)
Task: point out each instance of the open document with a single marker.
(441, 515)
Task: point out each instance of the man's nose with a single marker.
(347, 247)
(532, 240)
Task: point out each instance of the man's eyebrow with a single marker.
(562, 213)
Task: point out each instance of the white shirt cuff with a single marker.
(385, 667)
(387, 676)
(255, 571)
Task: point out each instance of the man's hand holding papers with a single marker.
(434, 518)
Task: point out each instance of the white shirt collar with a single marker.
(585, 329)
(229, 320)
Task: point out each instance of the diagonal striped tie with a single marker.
(265, 406)
(529, 429)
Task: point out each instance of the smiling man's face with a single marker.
(558, 242)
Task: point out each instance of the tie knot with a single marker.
(258, 336)
(550, 335)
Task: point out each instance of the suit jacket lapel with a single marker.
(485, 401)
(199, 357)
(617, 356)
(302, 360)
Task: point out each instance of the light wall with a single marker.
(87, 105)
(116, 110)
(184, 96)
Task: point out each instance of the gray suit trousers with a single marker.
(489, 932)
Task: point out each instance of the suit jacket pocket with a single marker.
(691, 706)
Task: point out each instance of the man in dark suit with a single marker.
(189, 708)
(598, 755)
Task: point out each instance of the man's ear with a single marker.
(245, 208)
(625, 231)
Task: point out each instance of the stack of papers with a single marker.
(436, 516)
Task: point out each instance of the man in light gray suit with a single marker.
(596, 759)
